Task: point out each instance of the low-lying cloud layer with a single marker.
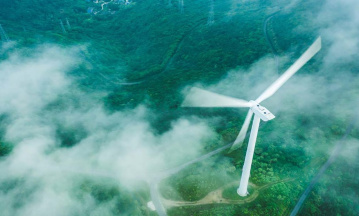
(60, 133)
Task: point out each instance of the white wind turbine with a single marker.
(202, 98)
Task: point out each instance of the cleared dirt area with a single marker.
(216, 196)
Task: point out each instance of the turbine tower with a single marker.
(180, 5)
(62, 27)
(3, 35)
(210, 20)
(202, 98)
(68, 24)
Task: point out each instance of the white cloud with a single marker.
(119, 145)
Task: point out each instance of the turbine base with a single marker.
(241, 193)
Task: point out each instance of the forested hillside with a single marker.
(143, 55)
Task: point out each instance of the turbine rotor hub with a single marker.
(262, 112)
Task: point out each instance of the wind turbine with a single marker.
(201, 98)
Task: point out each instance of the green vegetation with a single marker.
(196, 181)
(5, 148)
(162, 51)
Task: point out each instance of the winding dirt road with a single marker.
(265, 30)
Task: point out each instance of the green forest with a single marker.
(145, 53)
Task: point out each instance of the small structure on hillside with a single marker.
(90, 10)
(151, 206)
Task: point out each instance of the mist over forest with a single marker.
(92, 122)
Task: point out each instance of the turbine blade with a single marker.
(201, 98)
(306, 56)
(242, 134)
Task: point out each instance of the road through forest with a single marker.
(335, 152)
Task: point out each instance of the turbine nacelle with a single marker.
(262, 112)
